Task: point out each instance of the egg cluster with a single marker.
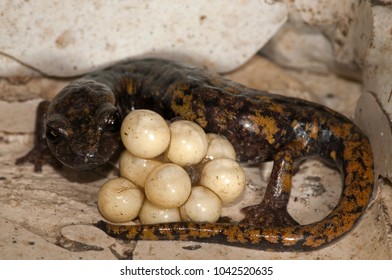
(156, 183)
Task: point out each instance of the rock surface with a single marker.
(64, 38)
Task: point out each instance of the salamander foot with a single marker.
(264, 215)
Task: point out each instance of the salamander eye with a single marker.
(54, 135)
(113, 122)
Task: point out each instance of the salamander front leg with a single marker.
(272, 211)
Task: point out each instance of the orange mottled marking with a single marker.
(272, 235)
(268, 126)
(235, 234)
(333, 155)
(254, 235)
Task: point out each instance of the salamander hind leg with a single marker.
(272, 211)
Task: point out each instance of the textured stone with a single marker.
(276, 80)
(22, 89)
(10, 123)
(64, 38)
(301, 47)
(374, 111)
(375, 122)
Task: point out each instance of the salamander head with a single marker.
(83, 125)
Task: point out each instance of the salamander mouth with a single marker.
(84, 160)
(86, 163)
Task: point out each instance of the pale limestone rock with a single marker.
(21, 89)
(315, 37)
(376, 124)
(66, 38)
(300, 48)
(22, 124)
(274, 79)
(10, 67)
(374, 110)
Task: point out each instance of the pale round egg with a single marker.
(225, 177)
(119, 200)
(203, 205)
(188, 143)
(136, 169)
(153, 214)
(219, 147)
(145, 133)
(168, 185)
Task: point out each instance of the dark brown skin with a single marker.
(82, 131)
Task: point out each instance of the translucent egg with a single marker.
(136, 169)
(219, 147)
(168, 185)
(153, 214)
(225, 177)
(203, 205)
(119, 200)
(145, 133)
(188, 143)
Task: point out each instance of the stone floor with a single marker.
(50, 215)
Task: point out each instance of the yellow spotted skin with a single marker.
(261, 127)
